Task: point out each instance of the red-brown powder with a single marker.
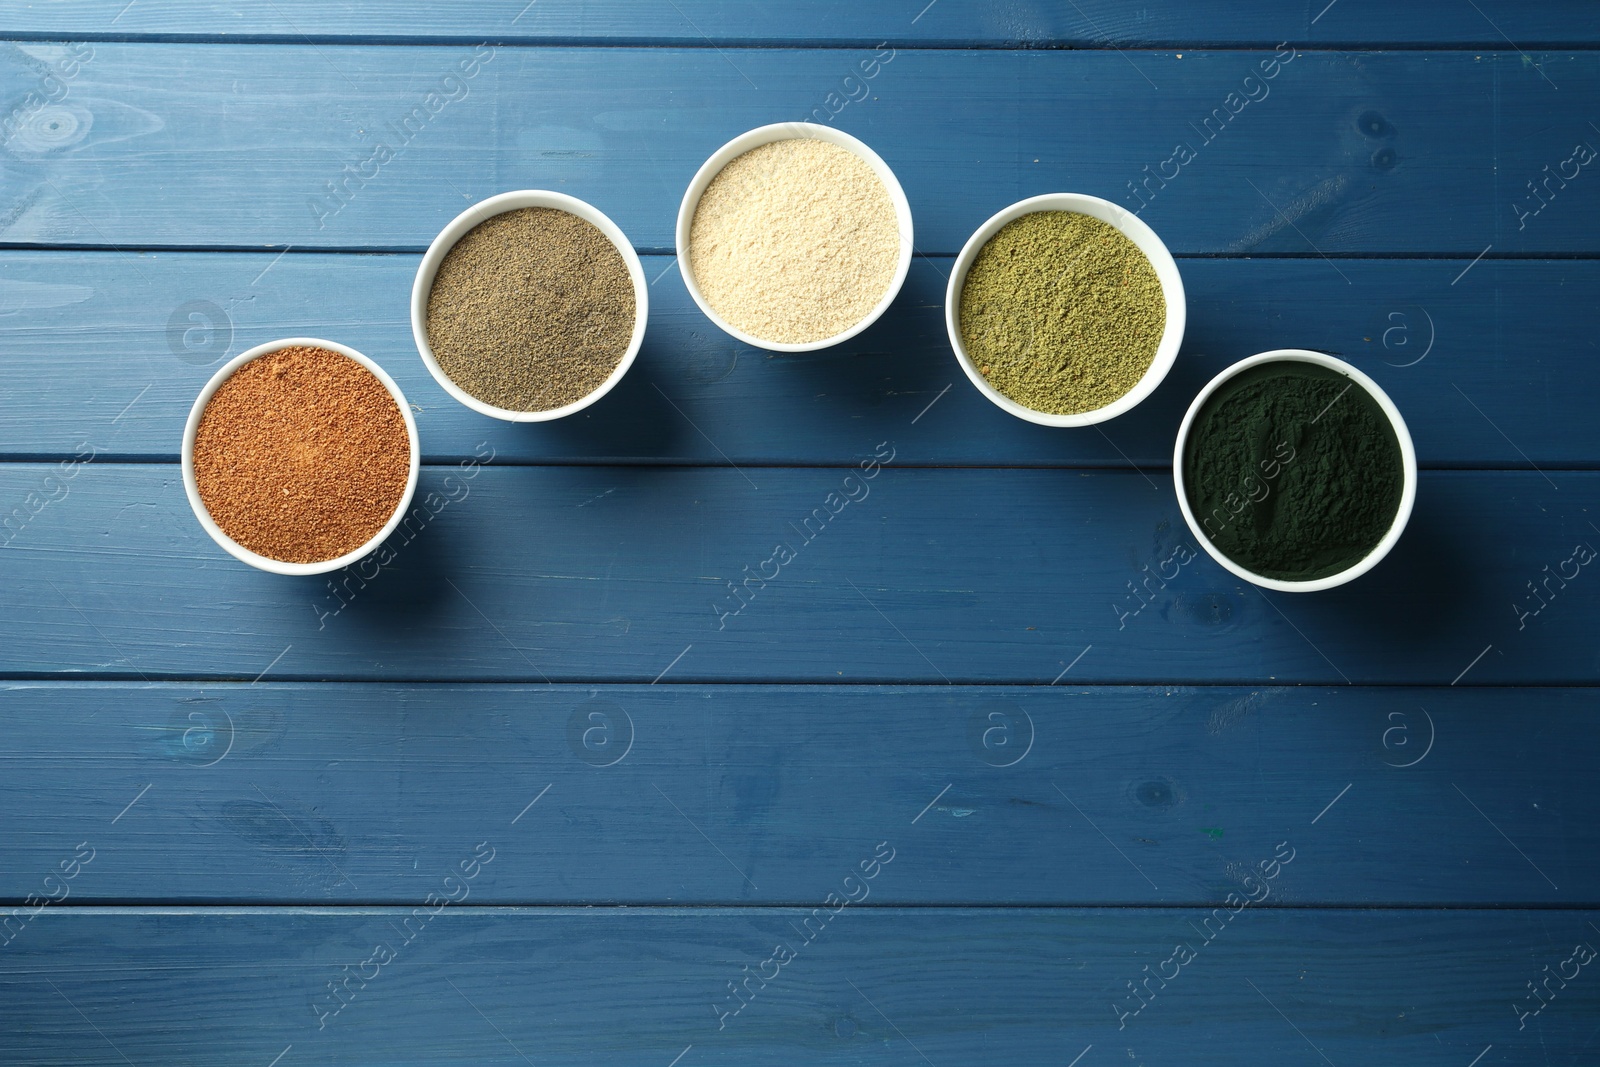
(302, 455)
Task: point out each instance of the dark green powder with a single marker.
(1293, 470)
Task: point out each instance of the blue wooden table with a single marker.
(958, 786)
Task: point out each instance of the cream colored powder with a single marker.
(794, 241)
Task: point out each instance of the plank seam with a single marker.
(700, 43)
(158, 678)
(446, 461)
(343, 909)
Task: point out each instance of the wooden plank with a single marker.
(359, 147)
(610, 985)
(333, 793)
(693, 22)
(89, 334)
(957, 575)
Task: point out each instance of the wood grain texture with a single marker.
(112, 349)
(766, 794)
(608, 574)
(888, 986)
(276, 776)
(1026, 23)
(1343, 152)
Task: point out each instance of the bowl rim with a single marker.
(1408, 459)
(790, 131)
(191, 487)
(1130, 226)
(482, 211)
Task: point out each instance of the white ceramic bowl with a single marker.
(483, 211)
(192, 489)
(1131, 227)
(788, 131)
(1408, 458)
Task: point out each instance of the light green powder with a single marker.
(1061, 312)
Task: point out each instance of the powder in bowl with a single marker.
(532, 309)
(302, 455)
(1061, 312)
(1293, 470)
(795, 241)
